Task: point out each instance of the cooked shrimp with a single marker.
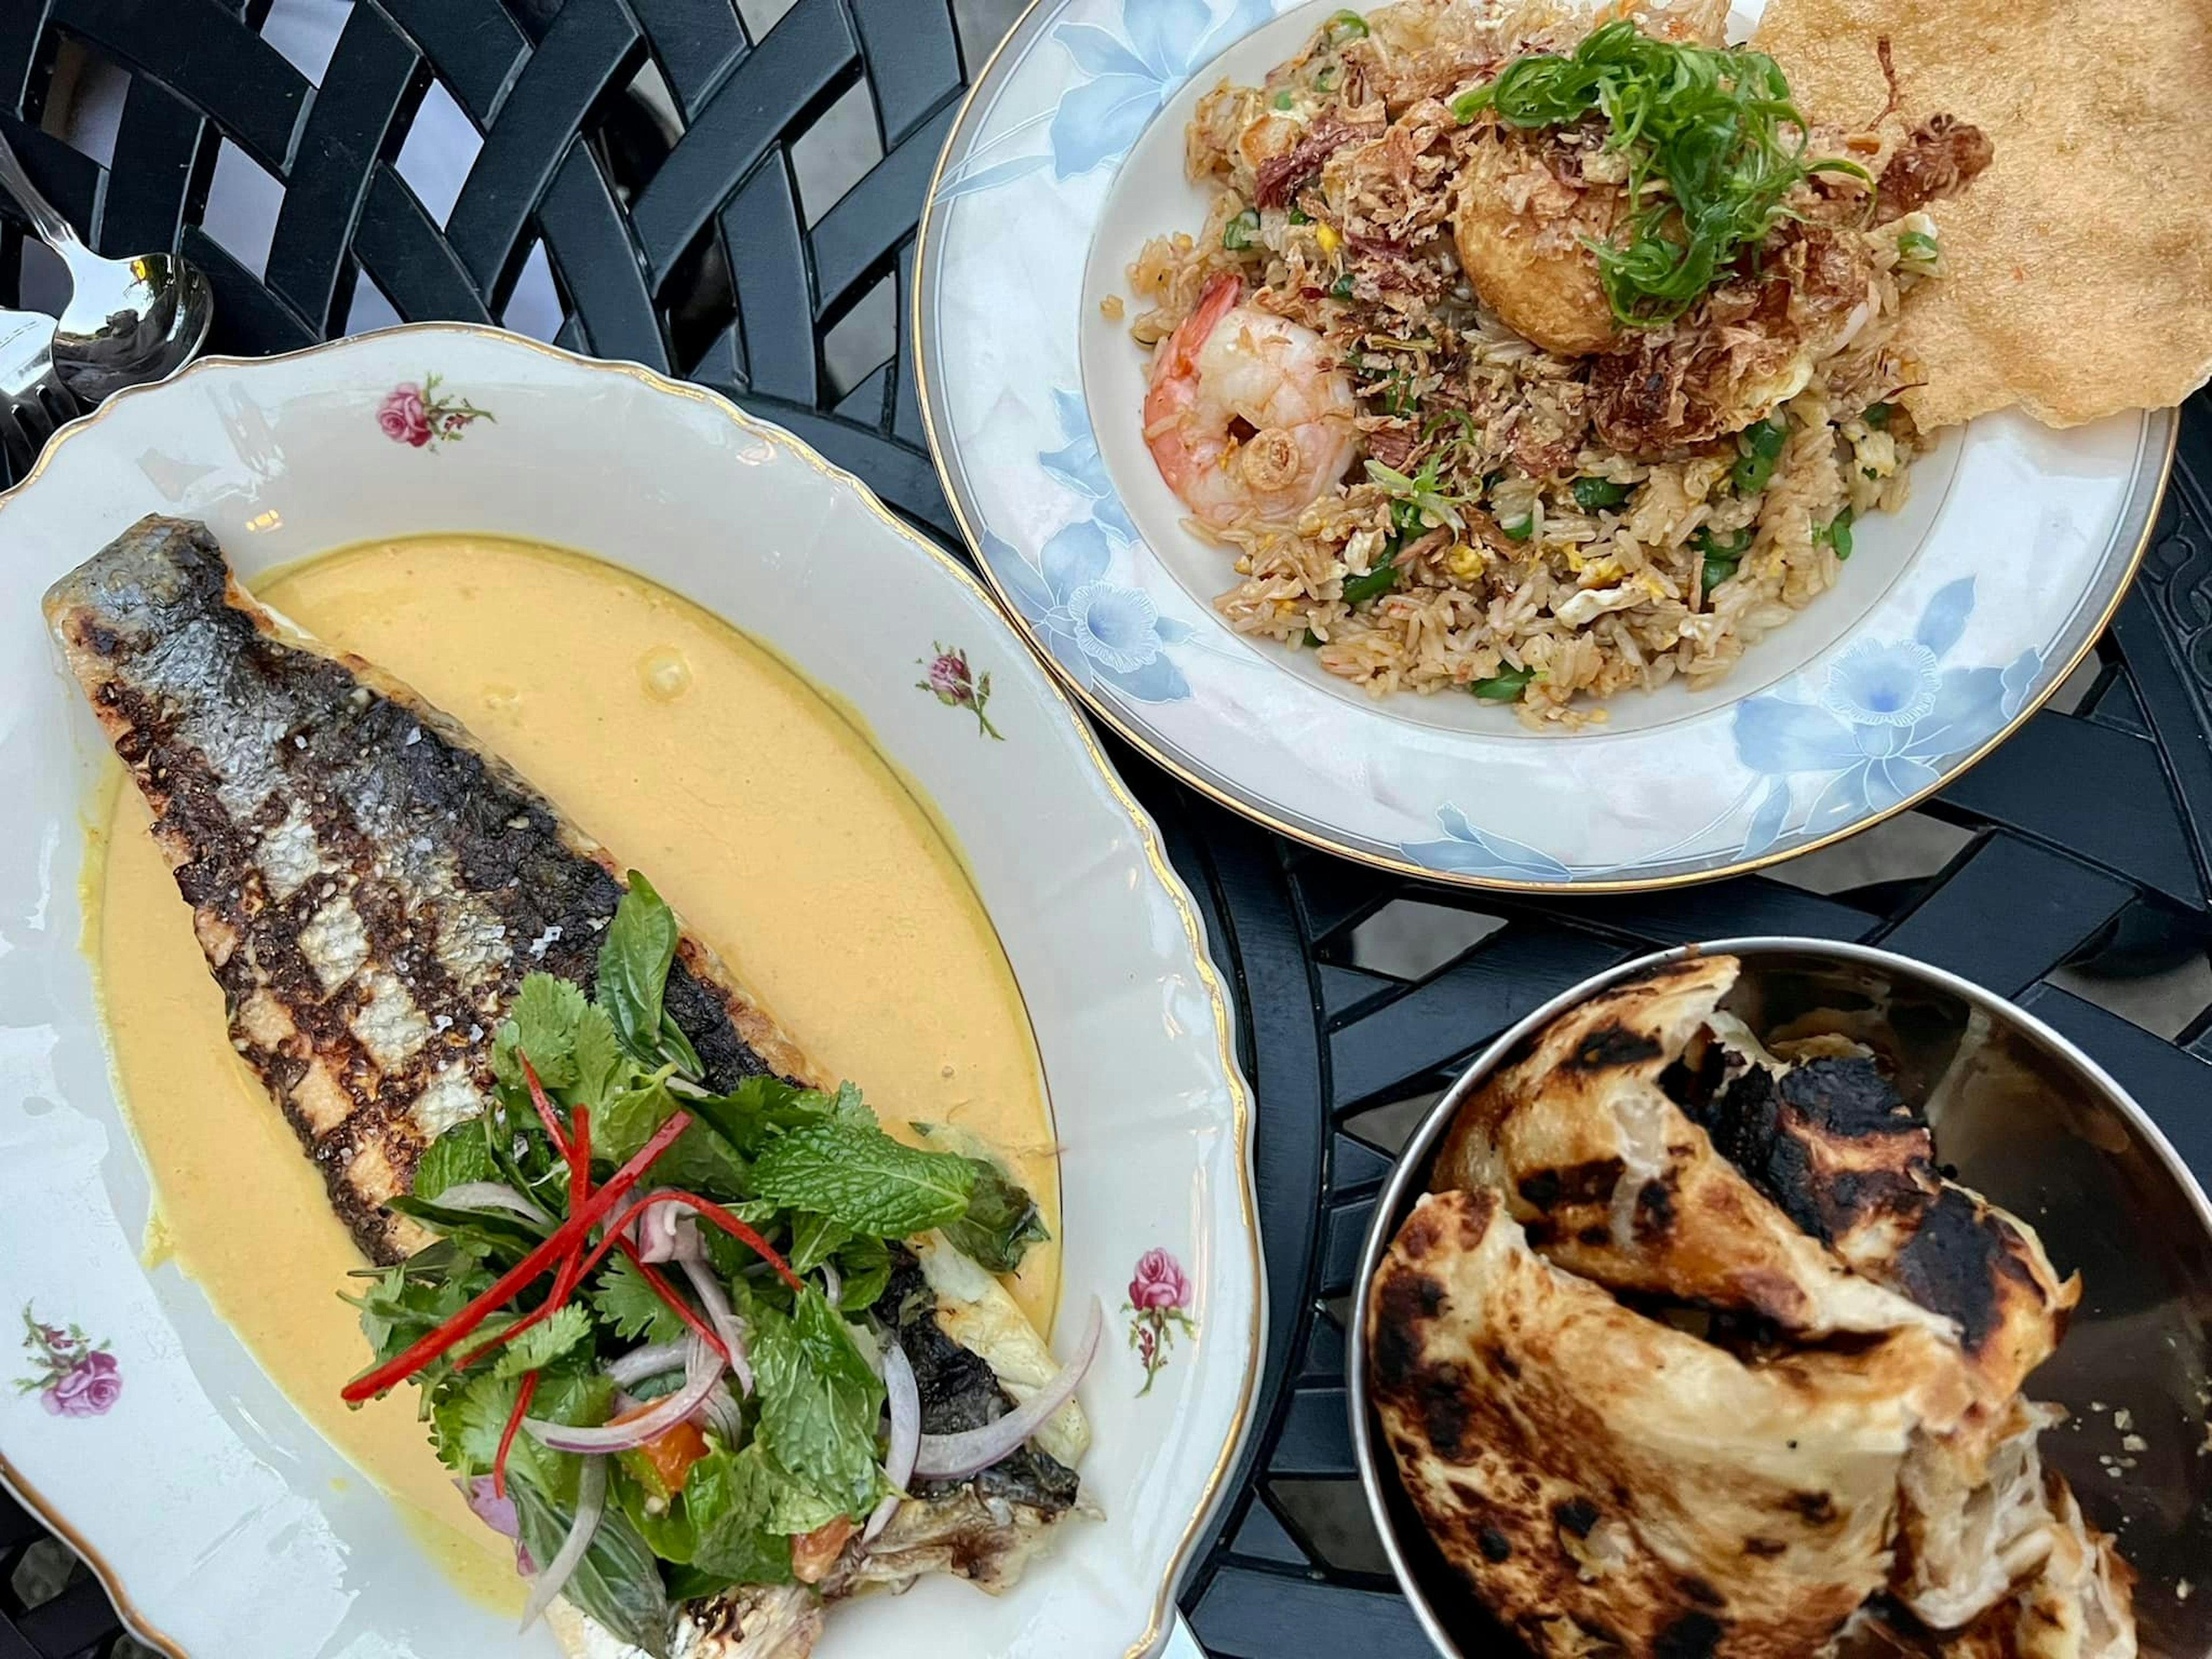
(1246, 414)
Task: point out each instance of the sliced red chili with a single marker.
(560, 1243)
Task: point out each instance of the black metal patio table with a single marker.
(654, 150)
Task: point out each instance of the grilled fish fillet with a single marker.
(368, 883)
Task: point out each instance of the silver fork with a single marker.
(33, 402)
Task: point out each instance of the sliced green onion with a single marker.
(1591, 494)
(1838, 533)
(1521, 529)
(1758, 448)
(1877, 415)
(1341, 288)
(1349, 24)
(1300, 216)
(1444, 417)
(1282, 100)
(1468, 105)
(1241, 232)
(1713, 144)
(1505, 686)
(1358, 590)
(1312, 640)
(1721, 557)
(1326, 79)
(1916, 245)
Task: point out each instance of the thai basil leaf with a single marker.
(618, 1581)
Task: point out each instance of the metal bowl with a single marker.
(2031, 1121)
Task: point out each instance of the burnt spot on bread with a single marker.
(1692, 1636)
(1573, 1183)
(1849, 1096)
(1404, 1302)
(1609, 1048)
(1766, 1549)
(1495, 1546)
(1695, 1589)
(1575, 1515)
(1956, 1264)
(1442, 1391)
(1815, 1508)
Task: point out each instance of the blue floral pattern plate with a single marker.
(1954, 620)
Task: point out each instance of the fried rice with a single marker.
(1558, 526)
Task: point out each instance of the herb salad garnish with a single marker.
(1713, 144)
(643, 1336)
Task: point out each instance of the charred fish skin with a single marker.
(368, 884)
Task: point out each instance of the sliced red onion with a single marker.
(903, 1401)
(491, 1196)
(956, 1456)
(639, 1364)
(591, 1504)
(662, 1234)
(722, 1414)
(489, 1507)
(721, 1316)
(702, 1368)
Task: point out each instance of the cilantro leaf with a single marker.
(729, 1498)
(864, 1179)
(545, 1341)
(635, 954)
(602, 1067)
(541, 1023)
(618, 1581)
(634, 1308)
(471, 1411)
(458, 1155)
(818, 1400)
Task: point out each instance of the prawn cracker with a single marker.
(2078, 267)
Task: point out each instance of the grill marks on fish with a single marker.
(368, 886)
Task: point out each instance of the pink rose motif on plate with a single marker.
(951, 682)
(71, 1375)
(422, 417)
(1158, 1306)
(402, 416)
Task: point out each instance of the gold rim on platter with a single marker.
(1171, 887)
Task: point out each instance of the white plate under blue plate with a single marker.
(210, 1508)
(1952, 621)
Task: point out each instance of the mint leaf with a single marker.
(618, 1581)
(699, 1161)
(728, 1498)
(753, 1113)
(813, 1239)
(1001, 1222)
(545, 1341)
(635, 954)
(818, 1400)
(866, 1265)
(634, 1308)
(458, 1155)
(541, 1023)
(864, 1179)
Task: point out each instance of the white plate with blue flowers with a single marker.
(1956, 617)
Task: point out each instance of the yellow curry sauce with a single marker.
(758, 809)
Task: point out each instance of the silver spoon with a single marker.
(128, 321)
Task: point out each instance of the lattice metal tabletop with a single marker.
(662, 162)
